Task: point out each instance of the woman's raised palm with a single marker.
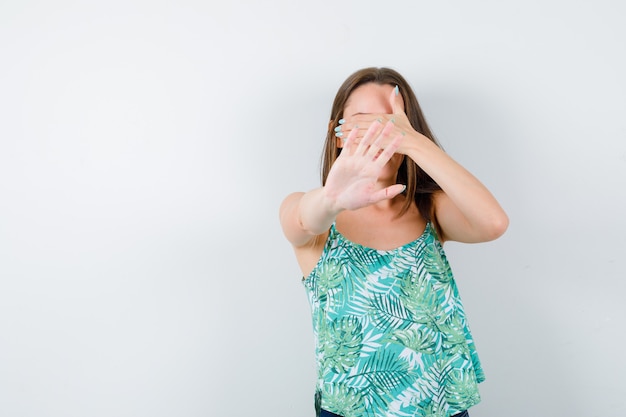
(352, 180)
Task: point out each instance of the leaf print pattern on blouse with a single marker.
(342, 344)
(330, 277)
(435, 263)
(460, 388)
(346, 402)
(419, 297)
(418, 340)
(391, 334)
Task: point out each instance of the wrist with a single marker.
(416, 144)
(329, 202)
(317, 211)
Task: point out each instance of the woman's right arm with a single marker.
(351, 184)
(304, 216)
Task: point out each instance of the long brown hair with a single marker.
(419, 185)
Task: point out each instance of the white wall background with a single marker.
(145, 147)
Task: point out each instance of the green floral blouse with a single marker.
(391, 337)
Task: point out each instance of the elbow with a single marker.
(497, 226)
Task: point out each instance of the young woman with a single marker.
(391, 334)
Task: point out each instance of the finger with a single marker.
(361, 121)
(360, 133)
(382, 138)
(387, 193)
(349, 142)
(368, 138)
(389, 150)
(397, 103)
(344, 131)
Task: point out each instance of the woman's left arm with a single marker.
(465, 209)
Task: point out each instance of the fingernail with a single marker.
(393, 120)
(397, 90)
(338, 129)
(403, 188)
(379, 120)
(339, 134)
(342, 121)
(356, 126)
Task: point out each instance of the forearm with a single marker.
(351, 184)
(480, 212)
(306, 215)
(317, 211)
